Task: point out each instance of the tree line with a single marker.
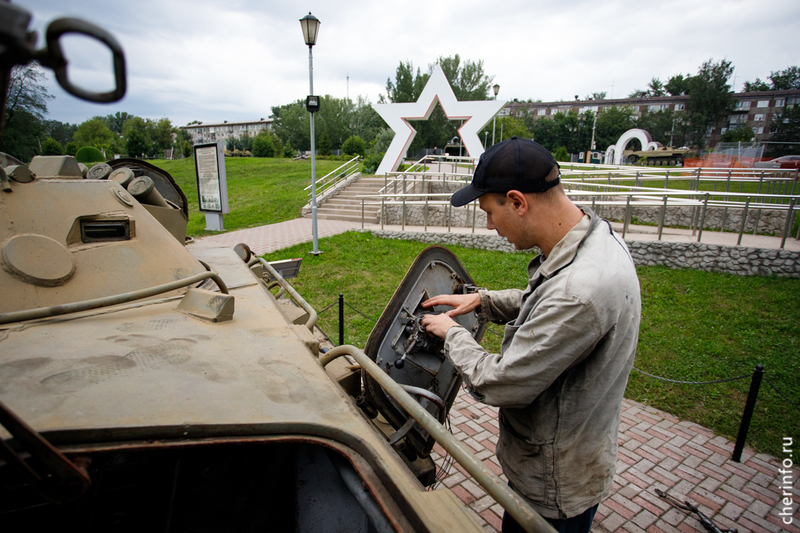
(354, 127)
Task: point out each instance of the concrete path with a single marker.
(657, 451)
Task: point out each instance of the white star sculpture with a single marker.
(477, 115)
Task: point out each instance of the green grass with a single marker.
(260, 190)
(696, 326)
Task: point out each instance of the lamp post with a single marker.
(496, 89)
(310, 25)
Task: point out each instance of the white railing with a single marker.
(699, 189)
(334, 179)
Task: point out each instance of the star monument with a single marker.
(476, 115)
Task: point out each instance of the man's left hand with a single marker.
(438, 325)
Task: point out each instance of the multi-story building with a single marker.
(756, 109)
(208, 133)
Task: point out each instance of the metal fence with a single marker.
(741, 192)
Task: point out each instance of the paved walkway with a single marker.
(657, 451)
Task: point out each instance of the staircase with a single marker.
(347, 206)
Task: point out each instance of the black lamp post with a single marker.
(310, 25)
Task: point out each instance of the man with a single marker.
(569, 341)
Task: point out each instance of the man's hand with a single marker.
(438, 325)
(461, 303)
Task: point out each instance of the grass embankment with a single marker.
(696, 326)
(260, 190)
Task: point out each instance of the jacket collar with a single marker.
(564, 252)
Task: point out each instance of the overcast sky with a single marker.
(233, 60)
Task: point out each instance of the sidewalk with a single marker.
(266, 239)
(656, 450)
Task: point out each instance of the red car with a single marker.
(787, 161)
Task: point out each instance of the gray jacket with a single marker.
(568, 348)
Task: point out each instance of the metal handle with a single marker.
(53, 57)
(312, 315)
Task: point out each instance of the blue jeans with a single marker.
(577, 524)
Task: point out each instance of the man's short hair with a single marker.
(514, 164)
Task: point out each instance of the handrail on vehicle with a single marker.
(312, 314)
(55, 310)
(522, 512)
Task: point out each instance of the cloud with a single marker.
(213, 61)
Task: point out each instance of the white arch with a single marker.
(643, 136)
(610, 152)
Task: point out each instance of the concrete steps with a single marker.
(347, 205)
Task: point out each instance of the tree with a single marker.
(354, 145)
(757, 85)
(709, 96)
(382, 141)
(678, 85)
(786, 128)
(468, 80)
(161, 135)
(597, 96)
(741, 133)
(290, 122)
(263, 145)
(324, 145)
(51, 146)
(136, 131)
(406, 87)
(664, 126)
(26, 106)
(656, 88)
(781, 80)
(60, 131)
(116, 121)
(95, 132)
(612, 122)
(784, 80)
(365, 121)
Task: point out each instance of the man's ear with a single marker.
(518, 201)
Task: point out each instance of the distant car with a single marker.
(787, 161)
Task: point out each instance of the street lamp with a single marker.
(310, 25)
(496, 89)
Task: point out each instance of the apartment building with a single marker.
(208, 133)
(756, 109)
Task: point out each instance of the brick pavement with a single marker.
(266, 239)
(656, 451)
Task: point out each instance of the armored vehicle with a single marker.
(145, 386)
(664, 156)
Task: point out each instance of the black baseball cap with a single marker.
(514, 164)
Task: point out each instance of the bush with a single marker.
(186, 149)
(71, 148)
(383, 140)
(263, 145)
(371, 163)
(51, 146)
(288, 151)
(354, 145)
(561, 154)
(89, 154)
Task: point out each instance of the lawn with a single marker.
(696, 326)
(260, 190)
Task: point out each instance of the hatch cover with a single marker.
(400, 346)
